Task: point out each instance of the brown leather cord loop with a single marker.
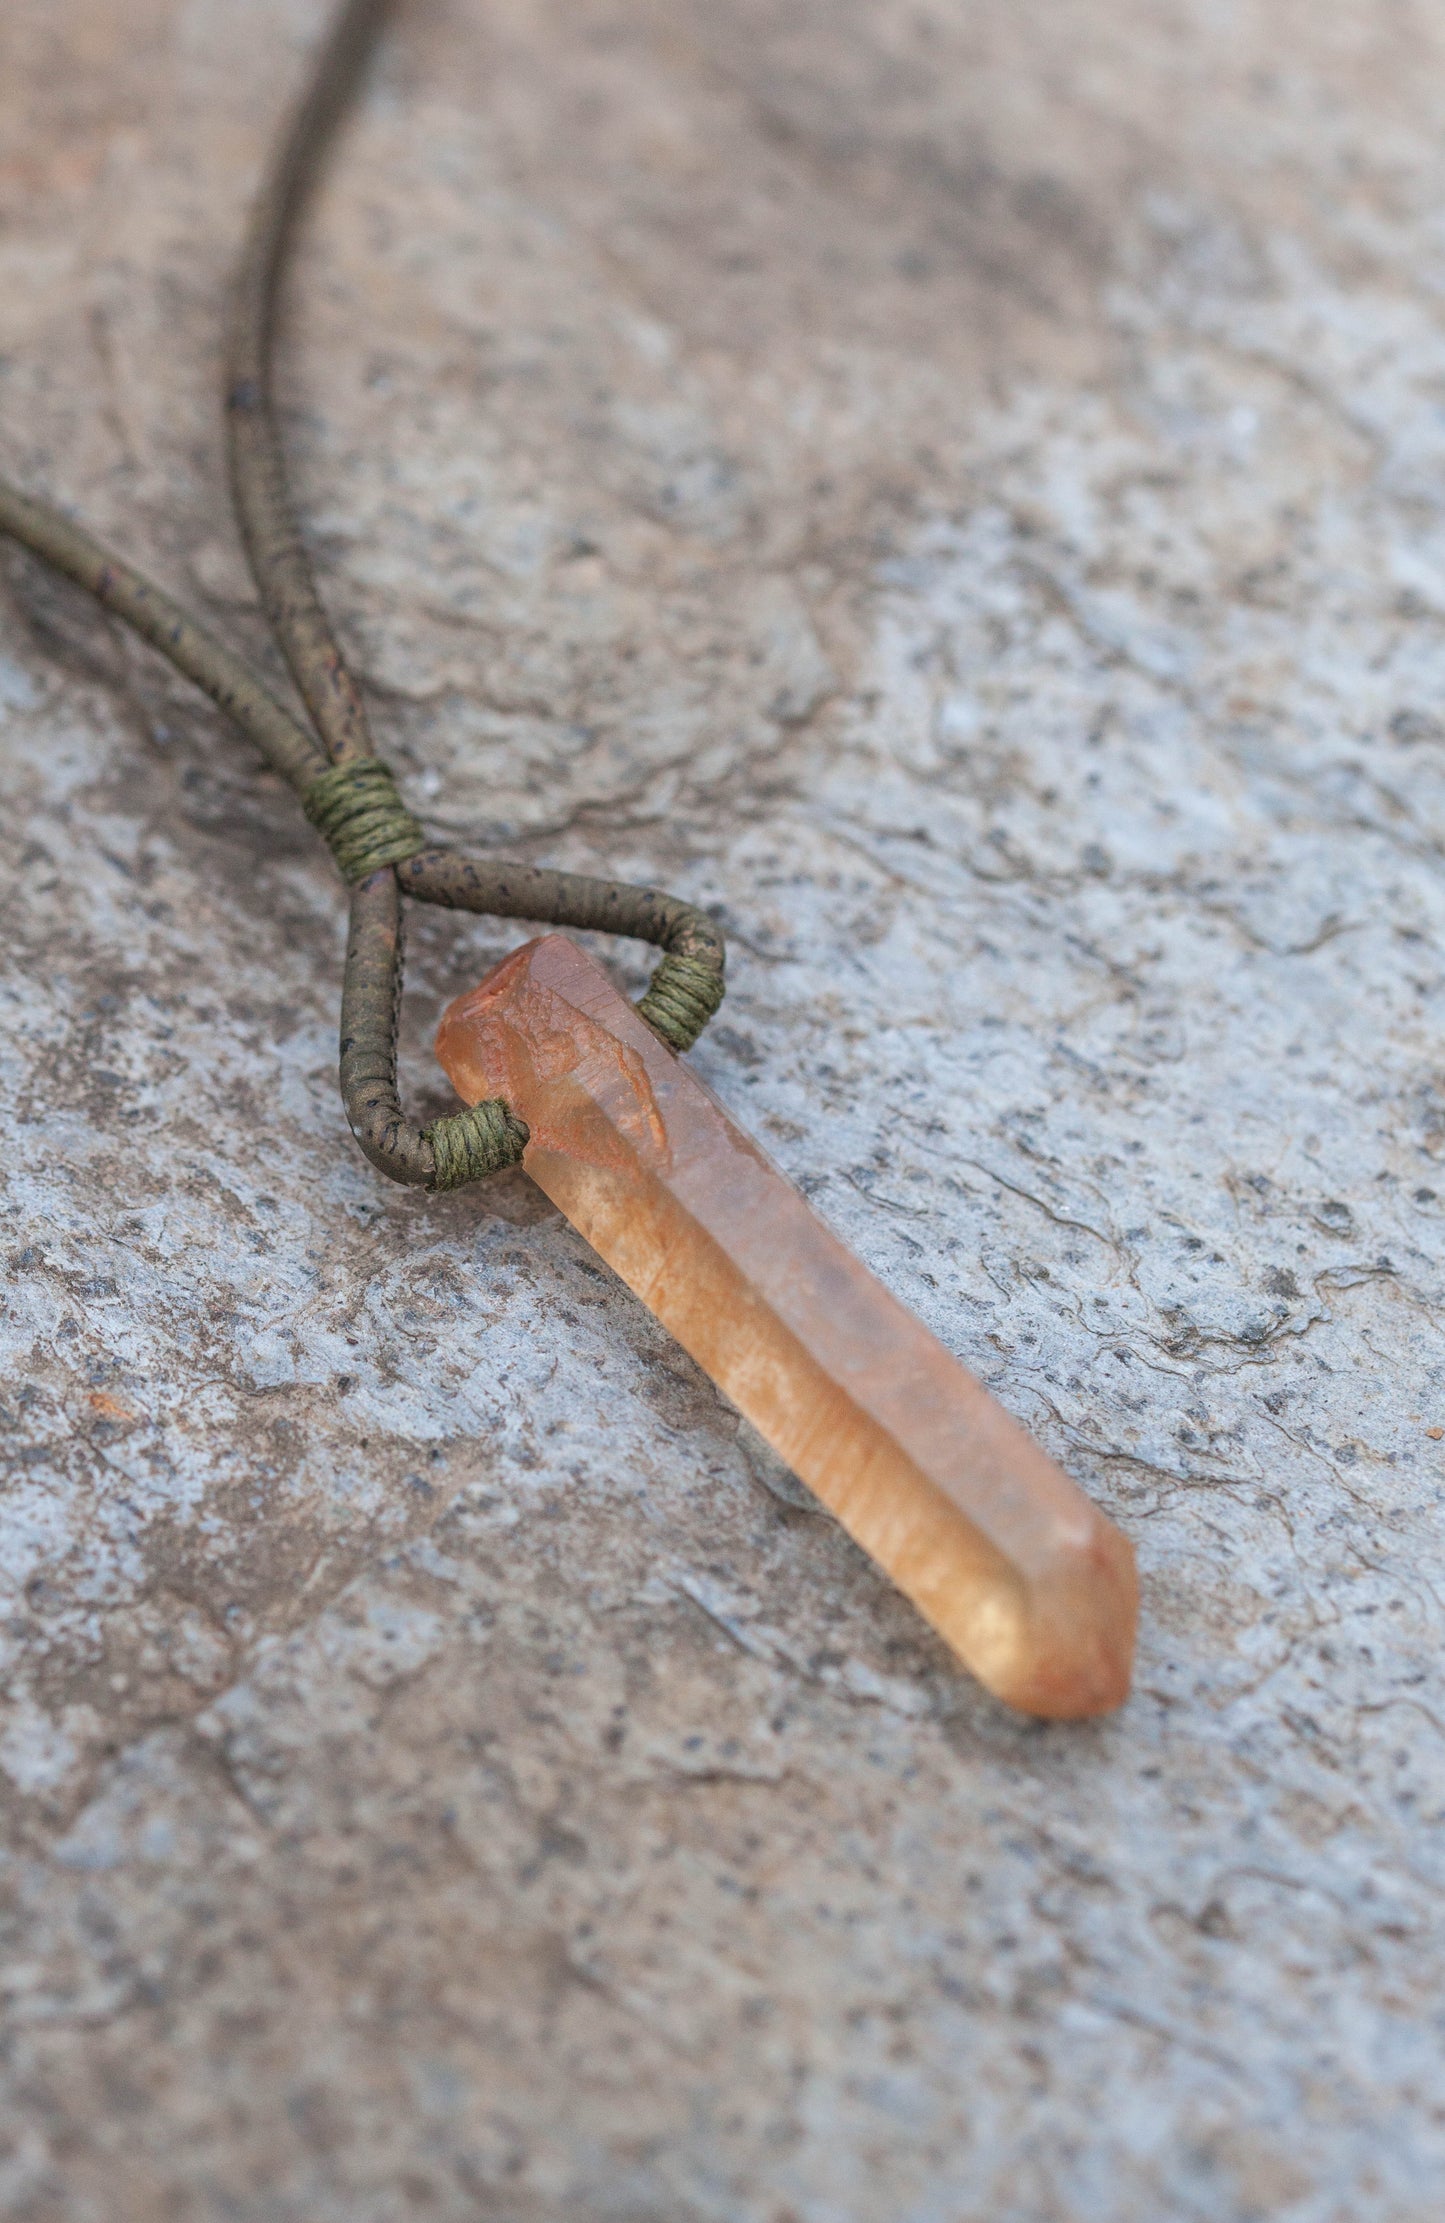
(688, 986)
(348, 793)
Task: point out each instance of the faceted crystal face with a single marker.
(1028, 1582)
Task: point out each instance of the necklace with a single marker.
(1027, 1581)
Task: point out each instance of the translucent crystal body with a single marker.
(1028, 1582)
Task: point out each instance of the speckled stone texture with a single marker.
(958, 485)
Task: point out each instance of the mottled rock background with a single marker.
(959, 486)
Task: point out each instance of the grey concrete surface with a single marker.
(960, 488)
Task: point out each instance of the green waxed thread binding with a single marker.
(682, 998)
(359, 814)
(473, 1143)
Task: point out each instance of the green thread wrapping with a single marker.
(360, 815)
(473, 1143)
(682, 998)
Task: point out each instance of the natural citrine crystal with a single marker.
(1028, 1582)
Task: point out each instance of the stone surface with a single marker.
(962, 489)
(1026, 1581)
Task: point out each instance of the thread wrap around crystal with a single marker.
(683, 996)
(474, 1143)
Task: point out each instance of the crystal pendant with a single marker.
(1027, 1581)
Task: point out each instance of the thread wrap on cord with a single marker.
(683, 996)
(473, 1143)
(358, 811)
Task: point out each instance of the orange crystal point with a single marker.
(1028, 1582)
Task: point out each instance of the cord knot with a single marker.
(359, 813)
(473, 1143)
(683, 996)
